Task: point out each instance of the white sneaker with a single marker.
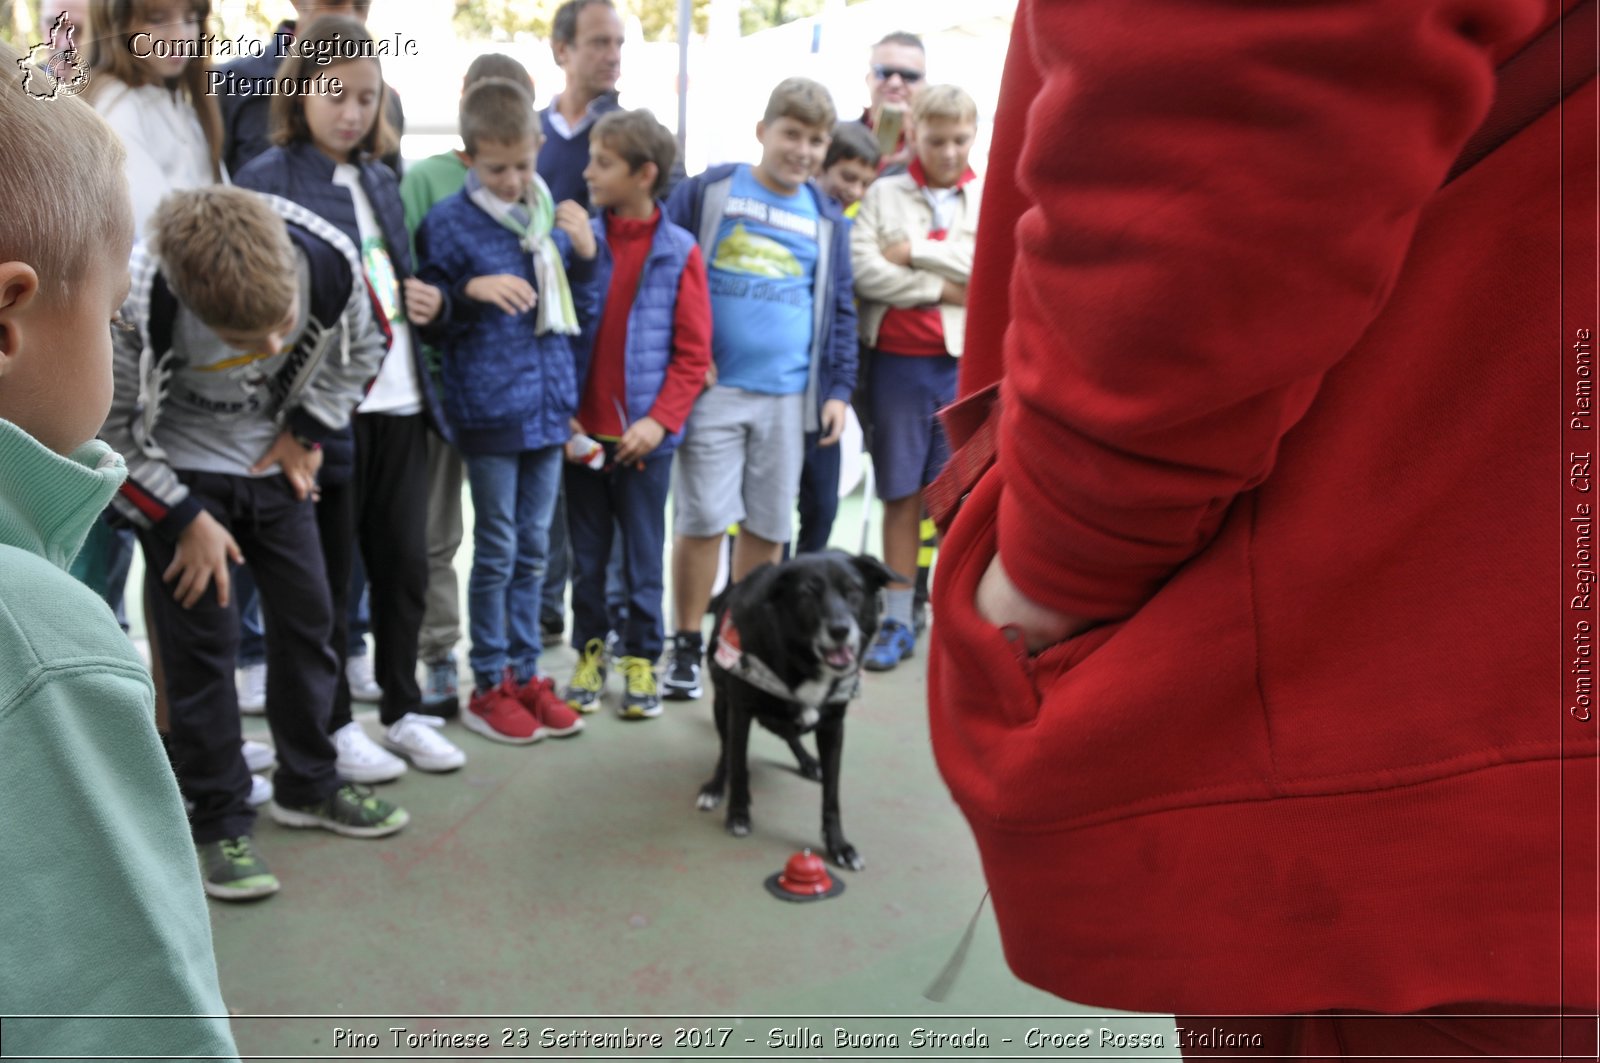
(363, 760)
(363, 687)
(259, 756)
(416, 737)
(251, 682)
(260, 790)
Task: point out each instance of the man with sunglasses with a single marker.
(896, 73)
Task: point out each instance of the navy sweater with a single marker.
(303, 174)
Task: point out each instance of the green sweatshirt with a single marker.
(101, 910)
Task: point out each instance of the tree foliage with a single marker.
(756, 15)
(507, 20)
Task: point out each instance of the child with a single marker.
(103, 912)
(784, 348)
(426, 183)
(250, 341)
(647, 358)
(325, 161)
(912, 250)
(850, 165)
(499, 251)
(157, 104)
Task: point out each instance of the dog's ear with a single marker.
(875, 573)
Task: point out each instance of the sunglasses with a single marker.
(884, 73)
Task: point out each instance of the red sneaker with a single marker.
(499, 714)
(556, 718)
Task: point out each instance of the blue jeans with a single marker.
(513, 501)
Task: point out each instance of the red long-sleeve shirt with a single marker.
(605, 392)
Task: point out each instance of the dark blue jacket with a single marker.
(697, 205)
(506, 389)
(648, 350)
(301, 173)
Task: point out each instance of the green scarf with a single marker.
(533, 219)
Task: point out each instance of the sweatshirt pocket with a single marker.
(1000, 677)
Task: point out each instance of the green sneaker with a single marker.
(640, 700)
(232, 870)
(351, 811)
(588, 679)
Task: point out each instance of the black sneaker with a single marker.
(351, 811)
(232, 870)
(682, 681)
(552, 631)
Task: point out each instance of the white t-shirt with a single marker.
(166, 148)
(395, 392)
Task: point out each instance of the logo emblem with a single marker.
(56, 68)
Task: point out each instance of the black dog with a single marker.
(786, 653)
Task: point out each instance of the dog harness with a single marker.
(809, 695)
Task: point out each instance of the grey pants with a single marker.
(441, 620)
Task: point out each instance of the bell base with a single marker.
(776, 888)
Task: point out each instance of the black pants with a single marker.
(200, 645)
(391, 525)
(819, 495)
(632, 503)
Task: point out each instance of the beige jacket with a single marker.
(893, 209)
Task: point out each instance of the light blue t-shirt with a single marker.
(762, 275)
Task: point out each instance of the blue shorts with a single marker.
(908, 444)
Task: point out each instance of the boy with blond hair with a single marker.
(912, 248)
(250, 339)
(784, 352)
(96, 863)
(499, 252)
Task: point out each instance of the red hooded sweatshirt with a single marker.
(1293, 420)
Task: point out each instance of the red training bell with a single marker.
(804, 878)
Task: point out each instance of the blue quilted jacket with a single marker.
(506, 389)
(649, 346)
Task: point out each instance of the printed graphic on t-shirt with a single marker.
(380, 272)
(762, 275)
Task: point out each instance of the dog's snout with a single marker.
(838, 632)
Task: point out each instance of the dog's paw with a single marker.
(710, 797)
(844, 854)
(810, 768)
(739, 826)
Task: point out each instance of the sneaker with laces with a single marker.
(497, 713)
(363, 760)
(893, 644)
(682, 681)
(556, 718)
(251, 684)
(358, 673)
(441, 691)
(258, 756)
(232, 870)
(416, 737)
(639, 700)
(589, 678)
(260, 791)
(352, 811)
